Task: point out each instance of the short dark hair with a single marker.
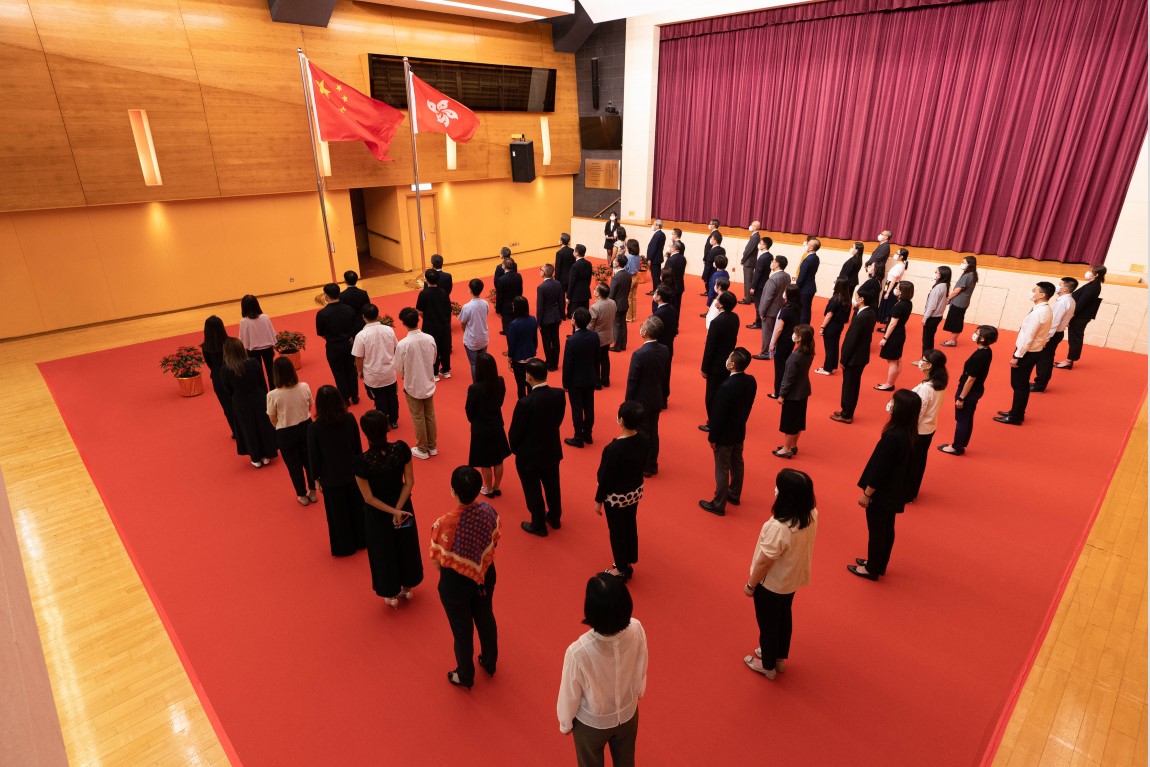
(714, 222)
(678, 245)
(250, 307)
(677, 232)
(331, 290)
(350, 277)
(631, 413)
(1047, 288)
(607, 605)
(582, 317)
(742, 358)
(437, 260)
(465, 481)
(536, 368)
(806, 336)
(664, 293)
(868, 294)
(565, 238)
(370, 312)
(906, 290)
(633, 246)
(768, 241)
(988, 334)
(781, 261)
(520, 307)
(602, 290)
(581, 250)
(475, 286)
(409, 317)
(791, 294)
(329, 405)
(796, 498)
(505, 252)
(373, 423)
(727, 301)
(431, 277)
(1073, 283)
(509, 265)
(283, 373)
(722, 283)
(817, 244)
(620, 260)
(720, 258)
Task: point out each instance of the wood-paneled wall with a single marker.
(220, 82)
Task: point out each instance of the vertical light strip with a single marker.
(545, 128)
(450, 153)
(142, 133)
(324, 159)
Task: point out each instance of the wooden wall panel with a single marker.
(20, 312)
(131, 243)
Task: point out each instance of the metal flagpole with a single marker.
(313, 129)
(415, 165)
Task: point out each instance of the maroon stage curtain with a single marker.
(1008, 127)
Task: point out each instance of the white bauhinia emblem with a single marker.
(442, 112)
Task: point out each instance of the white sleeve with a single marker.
(570, 693)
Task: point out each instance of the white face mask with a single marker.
(612, 218)
(776, 492)
(854, 300)
(974, 337)
(795, 339)
(889, 405)
(962, 266)
(1089, 275)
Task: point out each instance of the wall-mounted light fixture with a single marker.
(145, 149)
(545, 129)
(450, 153)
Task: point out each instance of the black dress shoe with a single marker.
(704, 293)
(598, 387)
(650, 292)
(755, 326)
(1036, 389)
(1004, 412)
(455, 679)
(555, 523)
(649, 474)
(744, 303)
(613, 349)
(573, 442)
(733, 501)
(588, 441)
(772, 395)
(860, 561)
(704, 314)
(529, 529)
(1009, 420)
(489, 667)
(868, 575)
(708, 506)
(762, 356)
(355, 400)
(704, 427)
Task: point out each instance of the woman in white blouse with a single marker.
(935, 378)
(258, 334)
(780, 565)
(604, 676)
(289, 408)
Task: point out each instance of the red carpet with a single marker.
(301, 664)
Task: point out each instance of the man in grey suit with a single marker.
(750, 257)
(620, 289)
(772, 301)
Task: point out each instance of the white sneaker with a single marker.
(432, 451)
(446, 374)
(437, 378)
(422, 455)
(822, 372)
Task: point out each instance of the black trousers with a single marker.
(292, 442)
(728, 473)
(267, 357)
(831, 335)
(1075, 333)
(929, 328)
(620, 740)
(1045, 364)
(549, 339)
(442, 338)
(805, 301)
(226, 404)
(624, 532)
(469, 610)
(539, 481)
(714, 381)
(604, 365)
(506, 317)
(656, 274)
(880, 526)
(650, 427)
(773, 614)
(780, 362)
(343, 506)
(852, 383)
(620, 329)
(573, 305)
(670, 344)
(964, 423)
(582, 400)
(386, 399)
(917, 468)
(1020, 384)
(342, 366)
(519, 370)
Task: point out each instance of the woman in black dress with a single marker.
(333, 444)
(835, 318)
(484, 408)
(893, 276)
(851, 267)
(242, 379)
(894, 337)
(796, 390)
(782, 341)
(385, 478)
(213, 349)
(609, 231)
(883, 483)
(620, 488)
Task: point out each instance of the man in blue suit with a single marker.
(808, 268)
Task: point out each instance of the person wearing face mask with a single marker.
(805, 280)
(835, 318)
(771, 302)
(655, 247)
(727, 430)
(750, 258)
(959, 299)
(714, 240)
(930, 391)
(620, 488)
(759, 281)
(1061, 314)
(855, 353)
(610, 229)
(676, 264)
(935, 304)
(850, 267)
(1087, 300)
(781, 565)
(890, 296)
(881, 253)
(796, 390)
(894, 336)
(1031, 338)
(782, 343)
(970, 388)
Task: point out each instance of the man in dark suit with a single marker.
(727, 424)
(855, 352)
(722, 337)
(714, 239)
(444, 283)
(356, 298)
(535, 442)
(579, 282)
(749, 260)
(620, 289)
(581, 377)
(771, 302)
(677, 263)
(564, 258)
(507, 287)
(759, 281)
(880, 255)
(550, 309)
(434, 307)
(808, 268)
(647, 385)
(669, 316)
(336, 323)
(655, 249)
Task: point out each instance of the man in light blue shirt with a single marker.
(473, 318)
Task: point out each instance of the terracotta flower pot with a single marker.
(295, 357)
(192, 386)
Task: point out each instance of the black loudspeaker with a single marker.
(523, 161)
(595, 83)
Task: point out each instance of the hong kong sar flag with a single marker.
(432, 112)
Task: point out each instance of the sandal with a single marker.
(391, 602)
(749, 660)
(453, 677)
(883, 387)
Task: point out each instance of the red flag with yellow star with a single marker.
(345, 114)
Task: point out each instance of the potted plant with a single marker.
(185, 365)
(602, 273)
(491, 296)
(456, 308)
(388, 320)
(289, 343)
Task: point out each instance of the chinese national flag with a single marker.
(345, 114)
(432, 112)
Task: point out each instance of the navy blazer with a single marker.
(581, 360)
(722, 338)
(579, 285)
(656, 247)
(878, 258)
(535, 424)
(670, 317)
(732, 409)
(647, 379)
(445, 284)
(807, 271)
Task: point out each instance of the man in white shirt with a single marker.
(473, 318)
(1061, 312)
(374, 353)
(415, 362)
(1031, 338)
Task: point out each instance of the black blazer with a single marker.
(762, 272)
(655, 248)
(807, 271)
(337, 323)
(886, 470)
(620, 290)
(581, 360)
(670, 317)
(856, 343)
(435, 307)
(444, 283)
(850, 271)
(878, 258)
(535, 424)
(677, 263)
(507, 287)
(356, 298)
(796, 384)
(708, 252)
(564, 258)
(751, 252)
(1087, 300)
(732, 409)
(722, 337)
(647, 379)
(550, 303)
(579, 285)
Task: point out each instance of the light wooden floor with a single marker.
(124, 698)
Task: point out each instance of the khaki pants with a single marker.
(632, 303)
(423, 419)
